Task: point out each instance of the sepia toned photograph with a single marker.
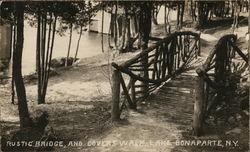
(124, 75)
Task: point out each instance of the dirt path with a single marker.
(159, 122)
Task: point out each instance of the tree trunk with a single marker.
(187, 10)
(128, 44)
(12, 79)
(144, 32)
(46, 65)
(24, 116)
(165, 18)
(182, 7)
(78, 43)
(154, 15)
(249, 39)
(178, 16)
(70, 39)
(44, 55)
(43, 43)
(102, 28)
(136, 23)
(236, 16)
(115, 26)
(112, 25)
(38, 58)
(50, 51)
(43, 31)
(122, 25)
(202, 14)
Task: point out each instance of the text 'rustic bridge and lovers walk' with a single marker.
(168, 62)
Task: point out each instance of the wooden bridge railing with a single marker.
(150, 68)
(213, 78)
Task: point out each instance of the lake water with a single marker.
(90, 45)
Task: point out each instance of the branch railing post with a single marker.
(115, 108)
(199, 45)
(133, 96)
(144, 74)
(199, 106)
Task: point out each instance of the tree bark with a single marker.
(43, 43)
(249, 39)
(38, 59)
(144, 32)
(155, 14)
(182, 9)
(165, 18)
(78, 43)
(46, 63)
(24, 116)
(178, 16)
(187, 10)
(46, 55)
(12, 79)
(202, 14)
(102, 28)
(126, 34)
(70, 39)
(115, 26)
(128, 43)
(50, 57)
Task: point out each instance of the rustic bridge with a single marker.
(134, 80)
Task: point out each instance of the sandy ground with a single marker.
(78, 105)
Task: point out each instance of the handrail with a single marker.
(219, 59)
(149, 49)
(131, 74)
(237, 49)
(151, 67)
(204, 67)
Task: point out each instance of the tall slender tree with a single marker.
(86, 11)
(45, 15)
(144, 33)
(69, 17)
(24, 116)
(249, 36)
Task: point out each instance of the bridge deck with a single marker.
(165, 116)
(175, 99)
